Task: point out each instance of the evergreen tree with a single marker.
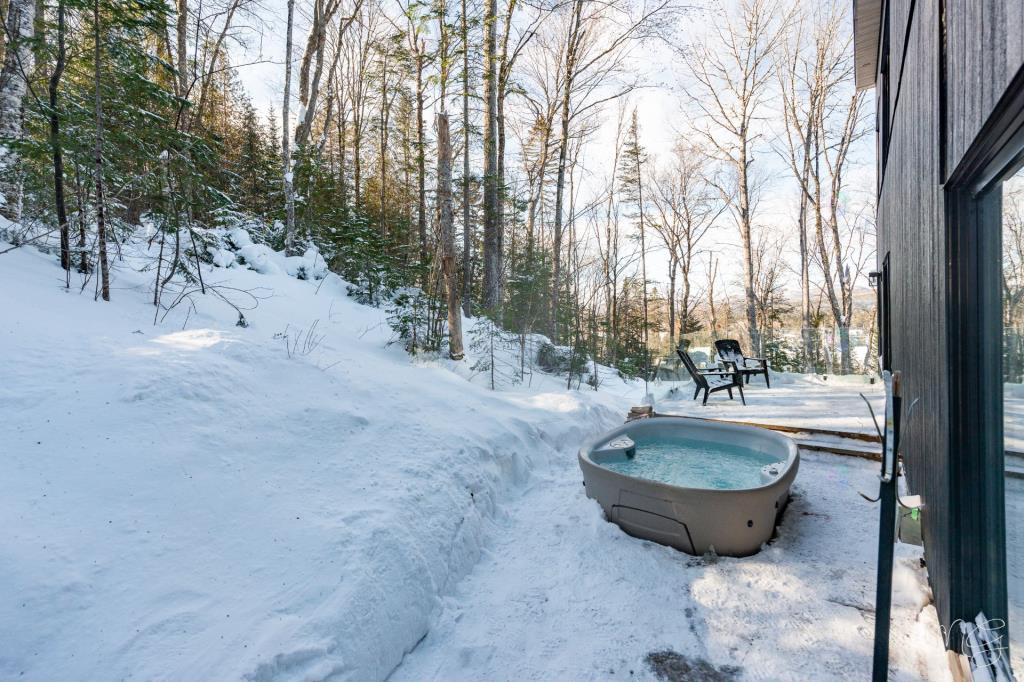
(631, 181)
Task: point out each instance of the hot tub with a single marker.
(692, 484)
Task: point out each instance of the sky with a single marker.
(662, 113)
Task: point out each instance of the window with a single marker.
(985, 223)
(1012, 248)
(882, 95)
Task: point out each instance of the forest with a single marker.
(452, 158)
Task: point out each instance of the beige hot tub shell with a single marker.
(694, 520)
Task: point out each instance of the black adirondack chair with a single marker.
(712, 380)
(729, 351)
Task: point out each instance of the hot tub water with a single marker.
(691, 463)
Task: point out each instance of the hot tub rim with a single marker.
(783, 478)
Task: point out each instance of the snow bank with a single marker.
(201, 504)
(260, 258)
(237, 246)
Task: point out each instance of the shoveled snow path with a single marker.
(563, 595)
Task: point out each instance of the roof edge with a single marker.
(867, 31)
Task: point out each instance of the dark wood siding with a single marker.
(911, 229)
(899, 20)
(985, 40)
(941, 93)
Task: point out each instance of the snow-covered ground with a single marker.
(187, 501)
(792, 400)
(563, 595)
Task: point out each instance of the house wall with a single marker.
(940, 92)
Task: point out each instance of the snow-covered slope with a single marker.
(195, 504)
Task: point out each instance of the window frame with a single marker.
(973, 217)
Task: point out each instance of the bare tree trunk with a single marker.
(745, 225)
(3, 36)
(357, 143)
(421, 168)
(446, 221)
(672, 303)
(208, 73)
(57, 149)
(445, 213)
(824, 253)
(799, 124)
(611, 251)
(467, 227)
(492, 227)
(537, 197)
(870, 357)
(563, 148)
(83, 265)
(18, 31)
(807, 333)
(504, 72)
(382, 151)
(182, 35)
(684, 303)
(500, 177)
(101, 227)
(712, 309)
(342, 124)
(313, 59)
(286, 145)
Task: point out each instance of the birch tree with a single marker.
(19, 27)
(286, 142)
(101, 220)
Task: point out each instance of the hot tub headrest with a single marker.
(619, 444)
